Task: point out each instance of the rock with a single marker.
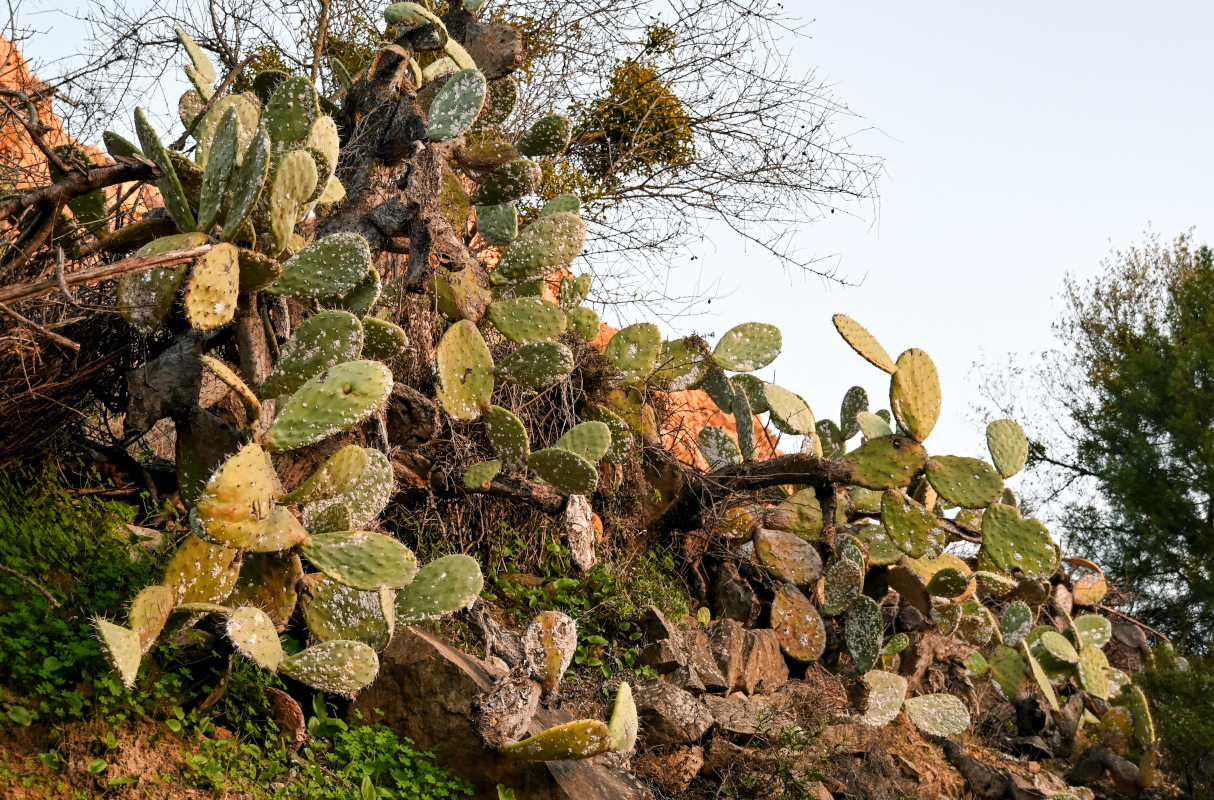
(722, 754)
(656, 627)
(426, 691)
(664, 656)
(1129, 635)
(685, 677)
(910, 619)
(732, 597)
(764, 668)
(673, 771)
(700, 659)
(670, 715)
(744, 718)
(727, 643)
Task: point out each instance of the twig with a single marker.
(321, 30)
(25, 291)
(50, 598)
(63, 290)
(181, 140)
(62, 341)
(1139, 623)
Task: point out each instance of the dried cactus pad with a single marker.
(590, 440)
(914, 394)
(789, 412)
(330, 402)
(322, 341)
(1008, 445)
(361, 559)
(938, 714)
(238, 498)
(551, 241)
(583, 738)
(339, 666)
(442, 587)
(887, 463)
(527, 319)
(797, 624)
(465, 371)
(337, 475)
(965, 482)
(149, 611)
(212, 289)
(864, 343)
(548, 645)
(623, 725)
(564, 469)
(332, 265)
(123, 652)
(718, 448)
(747, 347)
(886, 691)
(457, 105)
(537, 365)
(1019, 547)
(255, 637)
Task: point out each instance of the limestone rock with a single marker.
(670, 715)
(673, 771)
(764, 668)
(727, 642)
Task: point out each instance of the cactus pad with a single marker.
(145, 298)
(914, 394)
(218, 171)
(332, 265)
(873, 426)
(507, 435)
(383, 340)
(912, 527)
(509, 182)
(442, 587)
(965, 482)
(1092, 631)
(1008, 445)
(255, 637)
(681, 363)
(548, 646)
(634, 351)
(497, 224)
(359, 300)
(842, 584)
(170, 185)
(574, 290)
(366, 499)
(457, 105)
(291, 112)
(801, 515)
(268, 581)
(1092, 671)
(480, 475)
(855, 401)
(797, 624)
(149, 611)
(937, 714)
(564, 469)
(336, 476)
(361, 559)
(623, 725)
(788, 557)
(201, 572)
(864, 343)
(292, 186)
(212, 288)
(862, 629)
(323, 340)
(1019, 547)
(465, 371)
(886, 691)
(621, 437)
(881, 549)
(583, 738)
(332, 518)
(549, 136)
(245, 184)
(339, 666)
(537, 365)
(718, 448)
(789, 412)
(1007, 672)
(748, 347)
(591, 440)
(584, 322)
(330, 402)
(551, 241)
(121, 649)
(1140, 711)
(948, 582)
(744, 418)
(527, 319)
(239, 498)
(887, 463)
(335, 611)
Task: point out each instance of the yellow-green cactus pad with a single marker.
(914, 394)
(681, 364)
(718, 448)
(549, 136)
(361, 559)
(246, 185)
(383, 340)
(1020, 547)
(212, 288)
(341, 667)
(480, 475)
(457, 105)
(336, 476)
(886, 691)
(255, 638)
(747, 347)
(335, 400)
(938, 714)
(149, 611)
(873, 426)
(537, 365)
(788, 557)
(442, 587)
(507, 435)
(591, 440)
(623, 725)
(322, 341)
(331, 266)
(122, 650)
(842, 584)
(864, 343)
(583, 738)
(915, 530)
(175, 201)
(965, 482)
(888, 463)
(1007, 672)
(1008, 445)
(291, 112)
(335, 611)
(548, 645)
(292, 185)
(634, 351)
(239, 498)
(527, 319)
(201, 572)
(547, 243)
(465, 371)
(145, 298)
(862, 632)
(789, 412)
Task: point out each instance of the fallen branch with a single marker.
(19, 292)
(50, 598)
(76, 184)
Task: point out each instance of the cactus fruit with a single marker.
(330, 402)
(1018, 546)
(361, 559)
(527, 319)
(789, 412)
(1092, 672)
(551, 241)
(457, 105)
(681, 364)
(886, 691)
(509, 182)
(218, 171)
(548, 646)
(912, 527)
(788, 557)
(255, 637)
(145, 298)
(621, 437)
(507, 435)
(622, 728)
(246, 185)
(291, 187)
(748, 347)
(169, 185)
(887, 463)
(564, 469)
(149, 611)
(937, 714)
(212, 288)
(336, 476)
(841, 585)
(465, 371)
(914, 394)
(562, 203)
(583, 738)
(965, 482)
(268, 581)
(335, 611)
(1008, 445)
(873, 426)
(634, 351)
(498, 223)
(537, 365)
(718, 448)
(238, 498)
(797, 624)
(201, 572)
(862, 629)
(442, 587)
(591, 440)
(480, 475)
(584, 322)
(337, 666)
(291, 112)
(122, 650)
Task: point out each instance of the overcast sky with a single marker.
(1021, 141)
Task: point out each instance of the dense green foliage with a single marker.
(1184, 719)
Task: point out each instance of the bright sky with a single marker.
(1020, 141)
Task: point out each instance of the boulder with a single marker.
(744, 717)
(673, 771)
(764, 669)
(732, 596)
(664, 656)
(427, 692)
(670, 715)
(727, 643)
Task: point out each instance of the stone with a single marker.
(656, 627)
(1129, 635)
(722, 755)
(428, 691)
(700, 659)
(732, 596)
(664, 656)
(670, 715)
(752, 716)
(674, 770)
(764, 669)
(685, 677)
(727, 642)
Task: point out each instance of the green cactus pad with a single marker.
(360, 299)
(509, 182)
(946, 616)
(681, 364)
(527, 319)
(912, 527)
(622, 728)
(621, 436)
(465, 371)
(149, 611)
(255, 638)
(754, 389)
(937, 714)
(507, 435)
(407, 17)
(1144, 725)
(480, 475)
(634, 351)
(886, 691)
(1092, 672)
(788, 557)
(328, 403)
(854, 402)
(497, 224)
(564, 469)
(201, 572)
(583, 738)
(339, 666)
(1007, 672)
(366, 499)
(453, 200)
(873, 426)
(337, 475)
(881, 549)
(719, 389)
(170, 185)
(212, 288)
(562, 203)
(383, 340)
(1016, 623)
(503, 95)
(487, 154)
(457, 105)
(247, 111)
(888, 463)
(549, 136)
(1039, 675)
(591, 440)
(1092, 631)
(218, 171)
(537, 365)
(335, 611)
(862, 629)
(965, 482)
(914, 394)
(789, 412)
(748, 347)
(744, 419)
(948, 582)
(291, 112)
(574, 290)
(896, 644)
(797, 624)
(122, 650)
(841, 585)
(442, 587)
(198, 58)
(292, 186)
(119, 147)
(1008, 445)
(1054, 651)
(1020, 547)
(145, 298)
(584, 322)
(331, 518)
(548, 647)
(549, 242)
(238, 498)
(802, 515)
(717, 447)
(246, 184)
(361, 559)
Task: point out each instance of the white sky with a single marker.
(1020, 141)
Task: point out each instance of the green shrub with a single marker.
(1183, 706)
